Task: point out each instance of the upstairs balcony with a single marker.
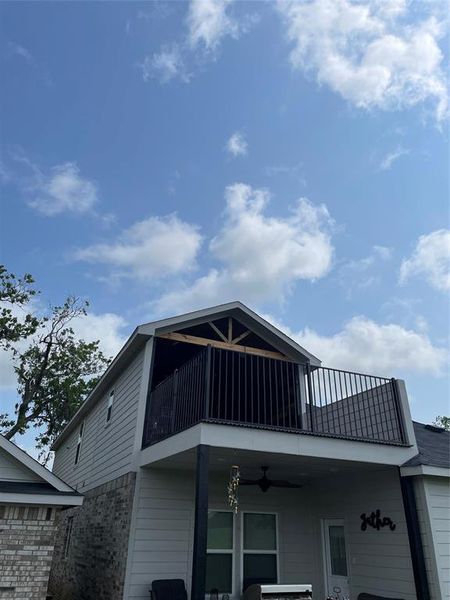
(242, 389)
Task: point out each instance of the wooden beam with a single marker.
(230, 329)
(192, 339)
(240, 337)
(217, 330)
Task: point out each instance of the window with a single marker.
(48, 514)
(260, 548)
(80, 437)
(68, 537)
(338, 557)
(110, 406)
(219, 559)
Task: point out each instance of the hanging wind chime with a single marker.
(233, 486)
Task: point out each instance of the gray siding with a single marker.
(12, 470)
(107, 448)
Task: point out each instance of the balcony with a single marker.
(242, 389)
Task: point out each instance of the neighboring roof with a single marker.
(30, 487)
(46, 476)
(434, 446)
(142, 333)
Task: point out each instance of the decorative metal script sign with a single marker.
(376, 521)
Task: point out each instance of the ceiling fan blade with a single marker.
(286, 484)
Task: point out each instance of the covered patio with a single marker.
(313, 533)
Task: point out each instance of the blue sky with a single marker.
(159, 157)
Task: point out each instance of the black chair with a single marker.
(168, 589)
(365, 596)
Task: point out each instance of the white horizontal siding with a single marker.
(12, 470)
(437, 493)
(107, 448)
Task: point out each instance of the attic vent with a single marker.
(434, 428)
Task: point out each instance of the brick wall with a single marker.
(27, 537)
(91, 565)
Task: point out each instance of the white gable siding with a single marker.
(106, 448)
(12, 470)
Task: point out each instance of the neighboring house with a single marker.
(30, 498)
(189, 398)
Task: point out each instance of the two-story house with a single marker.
(326, 481)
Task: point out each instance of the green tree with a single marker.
(443, 422)
(55, 370)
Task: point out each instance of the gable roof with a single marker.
(434, 447)
(45, 487)
(142, 333)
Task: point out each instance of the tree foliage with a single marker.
(55, 370)
(443, 422)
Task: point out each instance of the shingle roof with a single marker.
(31, 487)
(434, 446)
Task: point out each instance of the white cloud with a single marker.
(391, 157)
(209, 22)
(108, 328)
(363, 273)
(21, 51)
(260, 257)
(153, 248)
(63, 190)
(369, 347)
(237, 144)
(165, 65)
(430, 260)
(367, 52)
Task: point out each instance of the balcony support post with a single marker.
(200, 524)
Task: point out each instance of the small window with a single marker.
(219, 559)
(48, 514)
(110, 406)
(68, 537)
(80, 437)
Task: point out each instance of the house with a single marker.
(322, 466)
(30, 498)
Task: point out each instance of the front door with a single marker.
(336, 571)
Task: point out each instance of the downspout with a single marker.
(414, 537)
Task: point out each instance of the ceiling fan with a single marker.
(265, 483)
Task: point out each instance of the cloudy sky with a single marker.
(160, 157)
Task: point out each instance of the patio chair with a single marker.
(168, 589)
(365, 596)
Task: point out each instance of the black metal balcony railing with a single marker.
(236, 388)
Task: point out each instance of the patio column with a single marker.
(200, 524)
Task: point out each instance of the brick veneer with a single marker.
(94, 568)
(27, 537)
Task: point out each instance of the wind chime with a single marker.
(233, 486)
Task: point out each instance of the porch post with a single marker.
(415, 539)
(200, 524)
